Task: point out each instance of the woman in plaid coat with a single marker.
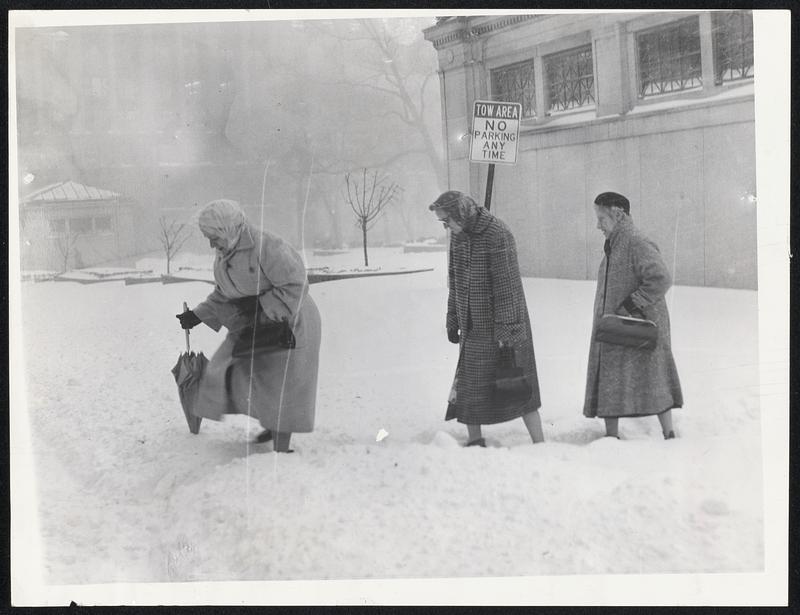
(486, 311)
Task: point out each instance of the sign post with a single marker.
(495, 135)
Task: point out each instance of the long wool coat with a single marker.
(487, 304)
(280, 387)
(623, 381)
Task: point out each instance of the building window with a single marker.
(102, 224)
(514, 83)
(570, 79)
(80, 225)
(669, 58)
(58, 226)
(733, 46)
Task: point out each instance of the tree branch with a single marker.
(366, 83)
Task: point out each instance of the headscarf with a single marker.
(461, 208)
(223, 219)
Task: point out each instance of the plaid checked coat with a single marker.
(486, 304)
(624, 381)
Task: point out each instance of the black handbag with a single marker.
(264, 336)
(627, 331)
(510, 384)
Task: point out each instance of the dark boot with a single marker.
(281, 444)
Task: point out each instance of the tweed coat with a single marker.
(624, 381)
(280, 387)
(486, 303)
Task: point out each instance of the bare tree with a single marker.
(172, 237)
(66, 247)
(412, 112)
(399, 74)
(368, 199)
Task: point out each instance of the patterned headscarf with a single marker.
(223, 219)
(459, 206)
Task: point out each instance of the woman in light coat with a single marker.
(258, 277)
(486, 311)
(632, 281)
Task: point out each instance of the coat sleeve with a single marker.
(210, 311)
(284, 269)
(451, 321)
(506, 283)
(653, 277)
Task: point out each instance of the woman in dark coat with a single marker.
(259, 278)
(486, 311)
(632, 281)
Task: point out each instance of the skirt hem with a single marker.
(509, 414)
(597, 415)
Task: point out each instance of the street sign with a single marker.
(495, 132)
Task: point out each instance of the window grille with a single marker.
(514, 83)
(733, 46)
(570, 79)
(669, 58)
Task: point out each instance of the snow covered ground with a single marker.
(125, 494)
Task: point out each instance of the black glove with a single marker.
(188, 319)
(452, 335)
(628, 308)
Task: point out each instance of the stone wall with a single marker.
(685, 161)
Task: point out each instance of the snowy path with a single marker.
(128, 494)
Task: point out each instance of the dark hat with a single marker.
(613, 199)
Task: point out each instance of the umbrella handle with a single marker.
(186, 331)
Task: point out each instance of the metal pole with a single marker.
(487, 201)
(186, 309)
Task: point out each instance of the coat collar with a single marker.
(479, 223)
(246, 241)
(622, 228)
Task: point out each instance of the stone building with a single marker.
(657, 106)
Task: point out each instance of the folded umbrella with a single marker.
(188, 372)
